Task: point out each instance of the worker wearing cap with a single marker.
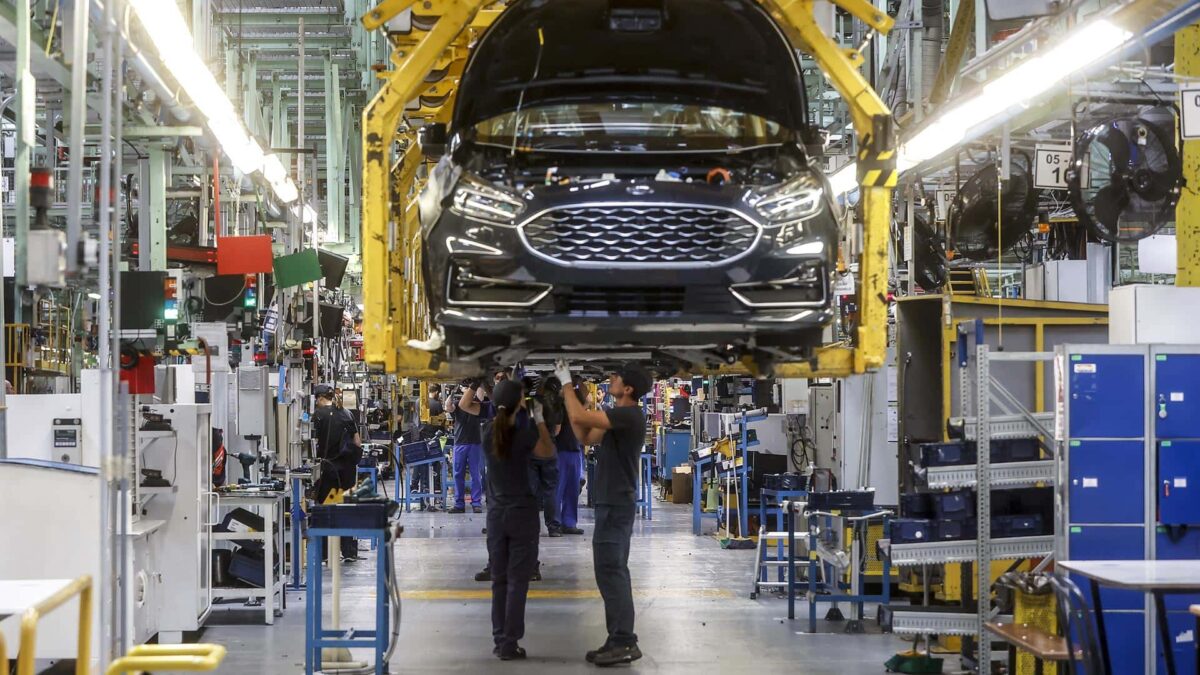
(339, 449)
(620, 434)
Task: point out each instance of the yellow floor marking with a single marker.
(563, 594)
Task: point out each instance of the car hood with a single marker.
(726, 53)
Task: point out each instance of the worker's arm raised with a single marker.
(469, 401)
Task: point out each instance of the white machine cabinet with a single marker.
(184, 544)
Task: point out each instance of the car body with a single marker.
(629, 179)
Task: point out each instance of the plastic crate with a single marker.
(954, 453)
(785, 481)
(842, 499)
(955, 504)
(911, 530)
(349, 516)
(953, 529)
(1015, 450)
(1028, 525)
(916, 505)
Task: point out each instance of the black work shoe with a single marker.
(572, 530)
(554, 532)
(496, 650)
(591, 656)
(485, 575)
(457, 509)
(511, 655)
(616, 655)
(537, 575)
(478, 509)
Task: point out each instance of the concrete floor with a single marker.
(693, 609)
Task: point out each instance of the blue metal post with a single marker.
(297, 524)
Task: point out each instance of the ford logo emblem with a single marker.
(639, 189)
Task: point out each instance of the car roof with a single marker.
(726, 53)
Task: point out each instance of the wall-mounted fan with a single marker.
(1133, 176)
(978, 229)
(929, 255)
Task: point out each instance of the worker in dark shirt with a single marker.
(621, 434)
(513, 438)
(570, 458)
(339, 449)
(468, 450)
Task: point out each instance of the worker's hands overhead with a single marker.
(538, 412)
(562, 370)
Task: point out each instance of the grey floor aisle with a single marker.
(694, 614)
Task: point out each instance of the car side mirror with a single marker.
(432, 139)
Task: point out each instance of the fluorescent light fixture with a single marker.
(1033, 77)
(172, 39)
(94, 296)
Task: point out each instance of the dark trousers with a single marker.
(610, 556)
(512, 538)
(544, 475)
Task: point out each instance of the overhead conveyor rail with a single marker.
(397, 332)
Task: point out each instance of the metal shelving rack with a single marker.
(980, 393)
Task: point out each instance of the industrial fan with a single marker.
(1133, 176)
(929, 255)
(978, 228)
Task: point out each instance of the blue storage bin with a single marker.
(911, 530)
(955, 504)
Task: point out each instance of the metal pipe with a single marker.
(79, 37)
(117, 131)
(26, 92)
(3, 329)
(109, 471)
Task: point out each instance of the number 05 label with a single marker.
(1051, 163)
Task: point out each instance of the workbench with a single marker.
(273, 543)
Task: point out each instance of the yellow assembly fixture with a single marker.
(395, 315)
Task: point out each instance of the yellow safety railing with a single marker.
(29, 623)
(154, 658)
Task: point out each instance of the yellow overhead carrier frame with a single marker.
(428, 63)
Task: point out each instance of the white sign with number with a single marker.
(1050, 165)
(941, 202)
(1189, 110)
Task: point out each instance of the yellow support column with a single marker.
(1187, 212)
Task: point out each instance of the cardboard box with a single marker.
(681, 485)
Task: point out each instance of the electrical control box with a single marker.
(252, 399)
(67, 435)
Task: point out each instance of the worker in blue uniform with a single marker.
(570, 458)
(468, 450)
(513, 438)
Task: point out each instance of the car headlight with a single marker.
(797, 199)
(476, 199)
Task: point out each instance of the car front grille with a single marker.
(619, 301)
(640, 235)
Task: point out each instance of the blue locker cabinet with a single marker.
(1126, 641)
(1177, 396)
(1177, 486)
(1178, 542)
(1108, 542)
(1182, 627)
(1107, 395)
(1105, 483)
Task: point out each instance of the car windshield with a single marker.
(629, 127)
